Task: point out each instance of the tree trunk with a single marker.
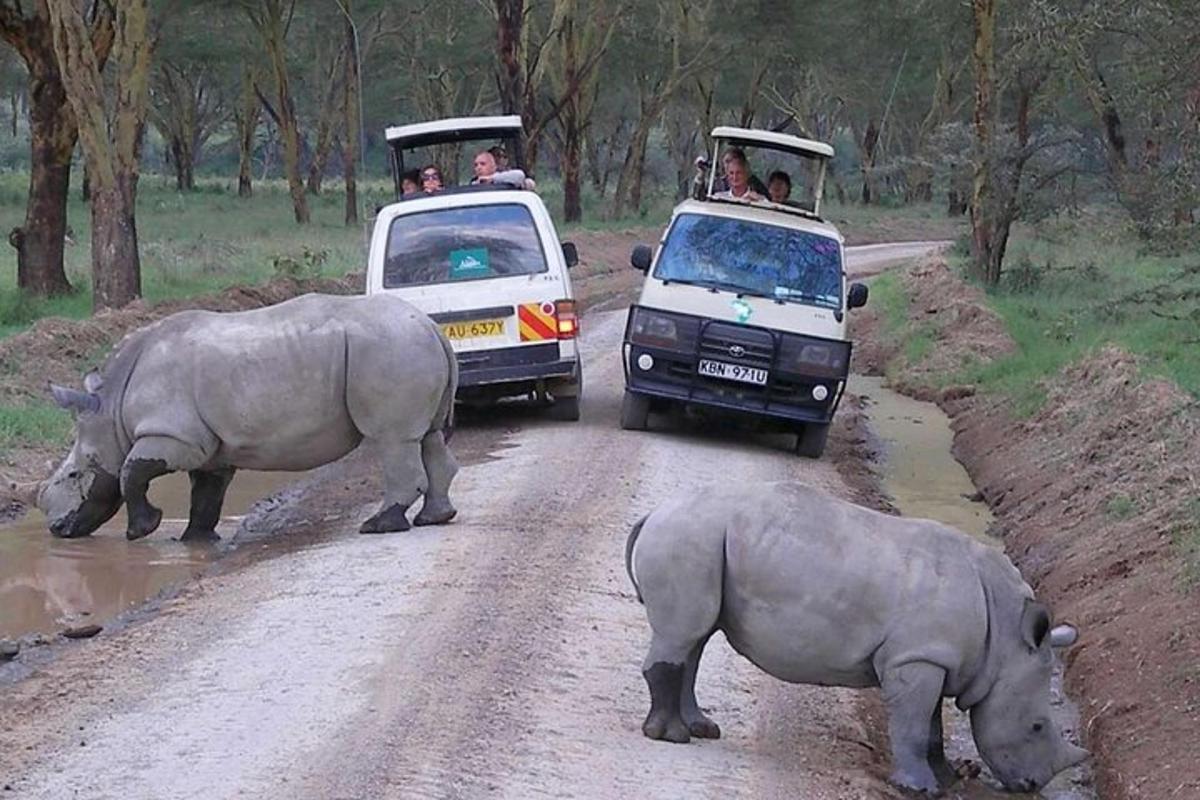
(246, 120)
(52, 133)
(350, 109)
(984, 56)
(183, 160)
(273, 33)
(510, 19)
(116, 268)
(867, 163)
(570, 163)
(631, 172)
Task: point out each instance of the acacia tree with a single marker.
(245, 117)
(580, 42)
(53, 134)
(187, 110)
(984, 59)
(111, 135)
(272, 20)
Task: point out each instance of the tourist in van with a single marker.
(431, 179)
(410, 182)
(779, 187)
(737, 178)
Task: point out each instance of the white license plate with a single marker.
(733, 372)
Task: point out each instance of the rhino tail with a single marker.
(629, 545)
(444, 419)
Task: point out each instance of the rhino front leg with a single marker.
(150, 457)
(208, 496)
(440, 469)
(404, 481)
(698, 723)
(911, 692)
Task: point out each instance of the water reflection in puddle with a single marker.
(48, 584)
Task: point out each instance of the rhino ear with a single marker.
(1035, 624)
(75, 400)
(1063, 635)
(92, 382)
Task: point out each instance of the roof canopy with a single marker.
(449, 131)
(749, 137)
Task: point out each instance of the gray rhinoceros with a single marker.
(816, 590)
(287, 387)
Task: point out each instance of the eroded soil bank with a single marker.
(1095, 496)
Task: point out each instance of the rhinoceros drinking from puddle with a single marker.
(816, 590)
(288, 387)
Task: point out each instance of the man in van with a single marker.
(737, 178)
(721, 184)
(484, 166)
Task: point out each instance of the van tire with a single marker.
(635, 411)
(810, 441)
(565, 409)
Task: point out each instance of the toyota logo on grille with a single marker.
(737, 351)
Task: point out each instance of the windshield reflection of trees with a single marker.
(760, 259)
(419, 245)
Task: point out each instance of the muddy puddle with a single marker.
(49, 584)
(924, 480)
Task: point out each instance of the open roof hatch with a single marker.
(818, 152)
(403, 138)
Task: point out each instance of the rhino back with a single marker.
(819, 590)
(270, 384)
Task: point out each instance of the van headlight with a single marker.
(814, 357)
(653, 329)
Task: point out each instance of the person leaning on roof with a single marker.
(720, 183)
(484, 166)
(737, 177)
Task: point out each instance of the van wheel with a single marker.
(565, 409)
(635, 411)
(810, 442)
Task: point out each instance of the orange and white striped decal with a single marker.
(537, 322)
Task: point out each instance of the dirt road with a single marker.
(496, 657)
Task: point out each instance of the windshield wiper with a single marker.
(724, 286)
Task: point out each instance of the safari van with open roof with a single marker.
(743, 309)
(485, 262)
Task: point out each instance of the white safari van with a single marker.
(484, 261)
(743, 310)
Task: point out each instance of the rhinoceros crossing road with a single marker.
(496, 657)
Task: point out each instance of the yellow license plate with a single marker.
(474, 329)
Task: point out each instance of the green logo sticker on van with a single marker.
(472, 263)
(742, 311)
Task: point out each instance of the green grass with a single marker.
(1071, 288)
(33, 424)
(1186, 538)
(889, 297)
(1120, 507)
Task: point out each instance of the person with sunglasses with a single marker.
(431, 179)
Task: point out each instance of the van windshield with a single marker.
(462, 244)
(753, 258)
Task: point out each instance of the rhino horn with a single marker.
(75, 400)
(1063, 635)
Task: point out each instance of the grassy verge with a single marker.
(1073, 286)
(34, 424)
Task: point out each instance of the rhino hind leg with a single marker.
(440, 469)
(404, 481)
(665, 722)
(208, 496)
(937, 749)
(911, 692)
(699, 724)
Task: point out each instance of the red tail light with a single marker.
(568, 321)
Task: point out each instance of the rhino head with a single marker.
(84, 492)
(1011, 724)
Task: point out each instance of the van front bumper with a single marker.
(787, 396)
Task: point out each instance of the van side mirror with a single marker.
(570, 253)
(857, 296)
(641, 257)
